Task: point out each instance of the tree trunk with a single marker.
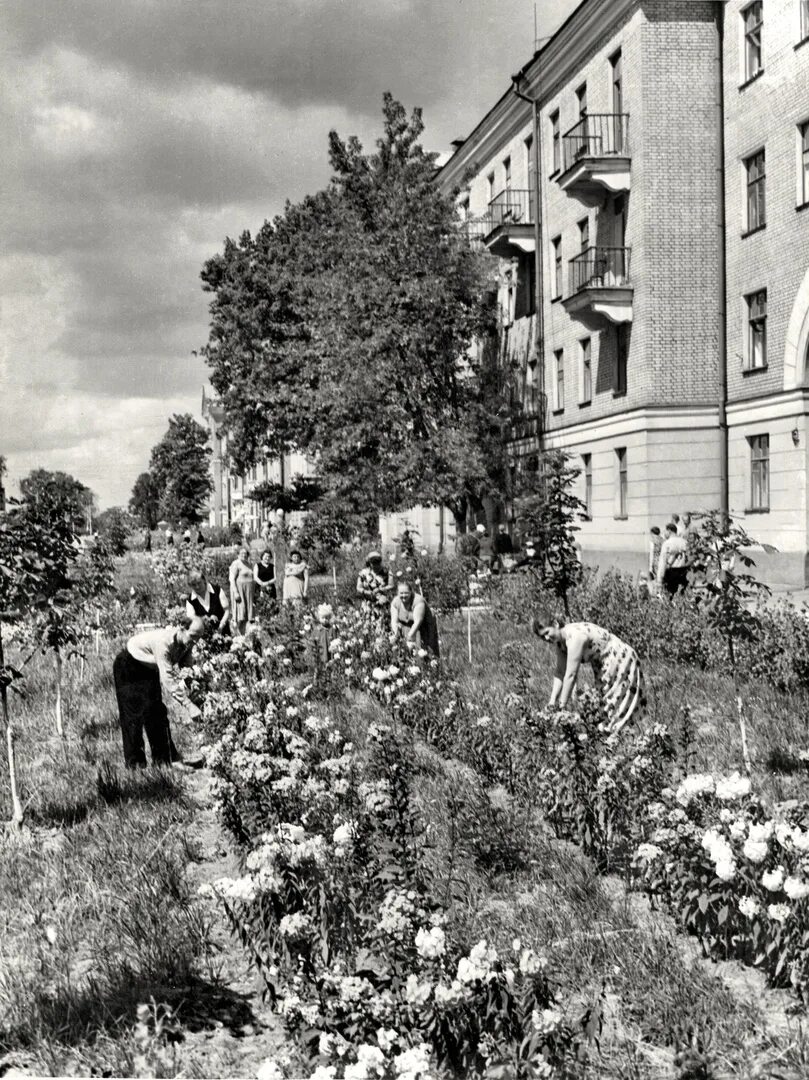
(59, 728)
(16, 805)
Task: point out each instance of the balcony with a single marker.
(595, 158)
(600, 287)
(511, 222)
(476, 229)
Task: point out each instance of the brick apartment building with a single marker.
(668, 350)
(231, 500)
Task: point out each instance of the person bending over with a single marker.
(150, 663)
(615, 666)
(412, 619)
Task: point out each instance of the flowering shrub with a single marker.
(733, 874)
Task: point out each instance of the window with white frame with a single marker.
(753, 23)
(803, 162)
(621, 482)
(507, 173)
(587, 472)
(556, 155)
(490, 187)
(556, 245)
(559, 380)
(756, 201)
(586, 371)
(529, 173)
(756, 304)
(759, 472)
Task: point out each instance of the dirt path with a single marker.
(245, 1030)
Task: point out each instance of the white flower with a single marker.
(779, 912)
(417, 993)
(279, 649)
(325, 1043)
(324, 1072)
(755, 850)
(295, 925)
(749, 907)
(393, 671)
(379, 674)
(270, 1070)
(387, 1038)
(649, 852)
(800, 839)
(733, 787)
(431, 943)
(691, 786)
(414, 1063)
(448, 995)
(531, 963)
(737, 828)
(546, 1021)
(773, 879)
(796, 888)
(343, 835)
(726, 869)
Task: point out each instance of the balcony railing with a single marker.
(476, 228)
(600, 268)
(511, 207)
(597, 135)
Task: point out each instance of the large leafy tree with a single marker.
(343, 329)
(179, 468)
(51, 495)
(144, 502)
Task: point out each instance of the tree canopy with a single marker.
(144, 503)
(49, 495)
(343, 329)
(179, 469)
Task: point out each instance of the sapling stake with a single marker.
(16, 805)
(743, 731)
(60, 731)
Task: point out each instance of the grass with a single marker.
(98, 914)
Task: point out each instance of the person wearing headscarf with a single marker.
(374, 584)
(242, 587)
(296, 578)
(148, 665)
(412, 619)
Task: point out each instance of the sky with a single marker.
(138, 134)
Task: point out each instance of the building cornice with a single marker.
(553, 65)
(645, 419)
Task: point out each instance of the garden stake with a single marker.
(469, 631)
(59, 728)
(743, 730)
(16, 805)
(334, 577)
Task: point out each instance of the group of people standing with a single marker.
(670, 555)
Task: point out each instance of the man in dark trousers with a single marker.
(149, 663)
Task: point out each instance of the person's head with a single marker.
(655, 530)
(273, 532)
(671, 529)
(197, 581)
(404, 591)
(686, 518)
(480, 529)
(675, 518)
(244, 554)
(295, 556)
(374, 560)
(548, 626)
(324, 614)
(265, 558)
(501, 528)
(191, 630)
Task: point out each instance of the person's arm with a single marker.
(575, 649)
(662, 562)
(224, 622)
(189, 610)
(361, 590)
(256, 578)
(394, 619)
(558, 675)
(419, 612)
(170, 679)
(305, 582)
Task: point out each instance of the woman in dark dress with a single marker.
(264, 576)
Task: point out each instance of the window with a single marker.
(804, 9)
(525, 300)
(803, 162)
(756, 330)
(586, 372)
(753, 19)
(490, 187)
(587, 469)
(621, 357)
(581, 98)
(555, 142)
(759, 472)
(557, 267)
(621, 485)
(756, 202)
(464, 209)
(507, 173)
(584, 234)
(559, 380)
(617, 83)
(529, 172)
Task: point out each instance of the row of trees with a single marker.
(178, 482)
(345, 329)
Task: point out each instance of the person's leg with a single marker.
(158, 731)
(133, 698)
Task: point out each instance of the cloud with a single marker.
(137, 136)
